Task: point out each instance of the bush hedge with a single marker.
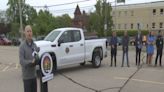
(130, 32)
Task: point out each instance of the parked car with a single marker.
(144, 39)
(108, 40)
(16, 42)
(68, 46)
(119, 40)
(132, 41)
(1, 41)
(5, 41)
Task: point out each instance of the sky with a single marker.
(87, 5)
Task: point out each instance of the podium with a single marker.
(46, 71)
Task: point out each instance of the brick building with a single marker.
(80, 20)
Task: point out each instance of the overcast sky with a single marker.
(69, 8)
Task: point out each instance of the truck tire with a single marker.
(96, 59)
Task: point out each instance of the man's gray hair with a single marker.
(28, 27)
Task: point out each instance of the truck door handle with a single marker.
(70, 45)
(81, 44)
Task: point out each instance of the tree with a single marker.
(63, 21)
(100, 17)
(44, 23)
(28, 15)
(13, 10)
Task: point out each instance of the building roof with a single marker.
(140, 5)
(77, 11)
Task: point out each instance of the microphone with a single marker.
(35, 54)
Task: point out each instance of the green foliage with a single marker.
(46, 22)
(42, 22)
(100, 17)
(130, 32)
(15, 30)
(63, 21)
(28, 15)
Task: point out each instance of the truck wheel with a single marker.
(96, 60)
(82, 64)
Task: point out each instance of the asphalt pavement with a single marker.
(76, 78)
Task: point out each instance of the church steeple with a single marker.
(77, 11)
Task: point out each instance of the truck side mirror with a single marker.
(60, 41)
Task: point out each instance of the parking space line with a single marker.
(5, 68)
(16, 66)
(139, 80)
(153, 70)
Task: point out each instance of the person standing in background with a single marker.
(159, 46)
(138, 45)
(125, 47)
(113, 48)
(150, 47)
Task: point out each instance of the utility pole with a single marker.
(105, 20)
(115, 14)
(20, 17)
(46, 8)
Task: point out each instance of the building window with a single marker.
(132, 13)
(161, 11)
(138, 26)
(154, 11)
(153, 25)
(131, 26)
(125, 26)
(125, 13)
(119, 13)
(119, 26)
(147, 26)
(161, 25)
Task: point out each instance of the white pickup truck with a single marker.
(68, 46)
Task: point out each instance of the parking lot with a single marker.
(76, 78)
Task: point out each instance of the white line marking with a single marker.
(5, 68)
(138, 80)
(17, 65)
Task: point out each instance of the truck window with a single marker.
(52, 36)
(71, 36)
(77, 35)
(67, 37)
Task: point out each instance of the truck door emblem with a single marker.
(67, 50)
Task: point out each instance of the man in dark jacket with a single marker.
(138, 45)
(159, 45)
(113, 48)
(28, 62)
(125, 43)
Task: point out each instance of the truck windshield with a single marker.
(52, 36)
